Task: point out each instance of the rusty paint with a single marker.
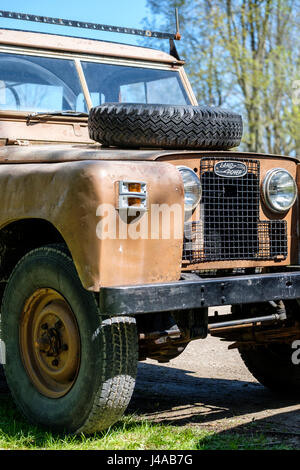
(68, 194)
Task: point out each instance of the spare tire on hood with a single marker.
(165, 126)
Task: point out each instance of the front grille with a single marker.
(229, 227)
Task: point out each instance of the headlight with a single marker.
(279, 190)
(192, 188)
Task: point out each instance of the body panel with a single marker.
(44, 153)
(267, 162)
(14, 127)
(82, 46)
(68, 195)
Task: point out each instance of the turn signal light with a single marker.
(132, 194)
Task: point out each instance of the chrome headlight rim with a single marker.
(192, 207)
(265, 190)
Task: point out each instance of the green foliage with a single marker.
(244, 55)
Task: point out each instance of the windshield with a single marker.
(123, 84)
(29, 83)
(42, 84)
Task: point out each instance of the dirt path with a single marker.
(209, 386)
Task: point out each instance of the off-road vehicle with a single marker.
(126, 212)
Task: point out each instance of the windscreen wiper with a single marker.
(43, 115)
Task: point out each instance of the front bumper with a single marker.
(199, 293)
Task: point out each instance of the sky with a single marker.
(112, 12)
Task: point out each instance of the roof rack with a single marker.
(99, 27)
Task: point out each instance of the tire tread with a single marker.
(165, 126)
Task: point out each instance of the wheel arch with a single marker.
(20, 236)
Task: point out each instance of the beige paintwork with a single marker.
(44, 153)
(51, 170)
(68, 195)
(51, 42)
(14, 129)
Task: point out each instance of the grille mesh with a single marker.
(229, 227)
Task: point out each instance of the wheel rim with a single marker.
(50, 343)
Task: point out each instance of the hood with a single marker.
(65, 153)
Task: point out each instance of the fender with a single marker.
(69, 195)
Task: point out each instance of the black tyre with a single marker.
(273, 367)
(165, 126)
(68, 368)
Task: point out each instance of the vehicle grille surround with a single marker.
(229, 227)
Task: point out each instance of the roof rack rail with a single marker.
(99, 27)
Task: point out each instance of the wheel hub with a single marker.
(50, 343)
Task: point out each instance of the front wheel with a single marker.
(68, 368)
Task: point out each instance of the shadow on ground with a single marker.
(179, 397)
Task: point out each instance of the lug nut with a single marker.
(44, 326)
(55, 362)
(58, 324)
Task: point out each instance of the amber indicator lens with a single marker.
(132, 194)
(133, 201)
(134, 187)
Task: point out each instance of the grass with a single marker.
(131, 433)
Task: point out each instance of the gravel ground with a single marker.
(209, 386)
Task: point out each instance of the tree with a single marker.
(244, 54)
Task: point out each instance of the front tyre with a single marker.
(68, 368)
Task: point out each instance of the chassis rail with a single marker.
(195, 294)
